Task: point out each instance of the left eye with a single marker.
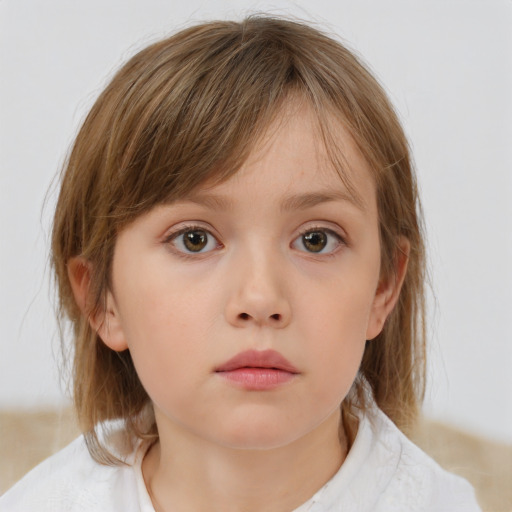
(194, 241)
(317, 241)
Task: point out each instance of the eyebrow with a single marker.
(289, 203)
(311, 199)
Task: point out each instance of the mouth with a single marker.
(255, 370)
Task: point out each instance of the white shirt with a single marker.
(383, 472)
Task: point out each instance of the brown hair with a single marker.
(188, 109)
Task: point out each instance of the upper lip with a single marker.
(257, 359)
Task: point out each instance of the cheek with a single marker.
(337, 332)
(157, 299)
(167, 325)
(338, 310)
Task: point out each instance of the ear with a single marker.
(388, 291)
(105, 322)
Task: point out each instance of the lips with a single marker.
(258, 359)
(258, 370)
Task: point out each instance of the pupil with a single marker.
(315, 241)
(195, 240)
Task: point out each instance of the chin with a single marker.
(258, 435)
(257, 442)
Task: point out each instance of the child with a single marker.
(237, 245)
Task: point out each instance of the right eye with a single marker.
(193, 241)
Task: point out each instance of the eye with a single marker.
(318, 241)
(193, 240)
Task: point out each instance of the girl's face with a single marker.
(246, 305)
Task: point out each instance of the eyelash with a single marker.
(186, 229)
(322, 229)
(170, 239)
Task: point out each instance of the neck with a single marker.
(185, 473)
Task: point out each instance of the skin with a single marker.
(254, 285)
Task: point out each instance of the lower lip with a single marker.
(258, 379)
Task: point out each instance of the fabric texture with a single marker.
(383, 472)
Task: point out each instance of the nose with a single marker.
(258, 296)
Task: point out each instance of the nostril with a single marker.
(246, 316)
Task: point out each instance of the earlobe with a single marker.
(388, 291)
(105, 322)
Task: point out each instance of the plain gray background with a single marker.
(447, 65)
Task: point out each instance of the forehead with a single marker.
(299, 163)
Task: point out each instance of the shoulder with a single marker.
(416, 481)
(72, 481)
(384, 471)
